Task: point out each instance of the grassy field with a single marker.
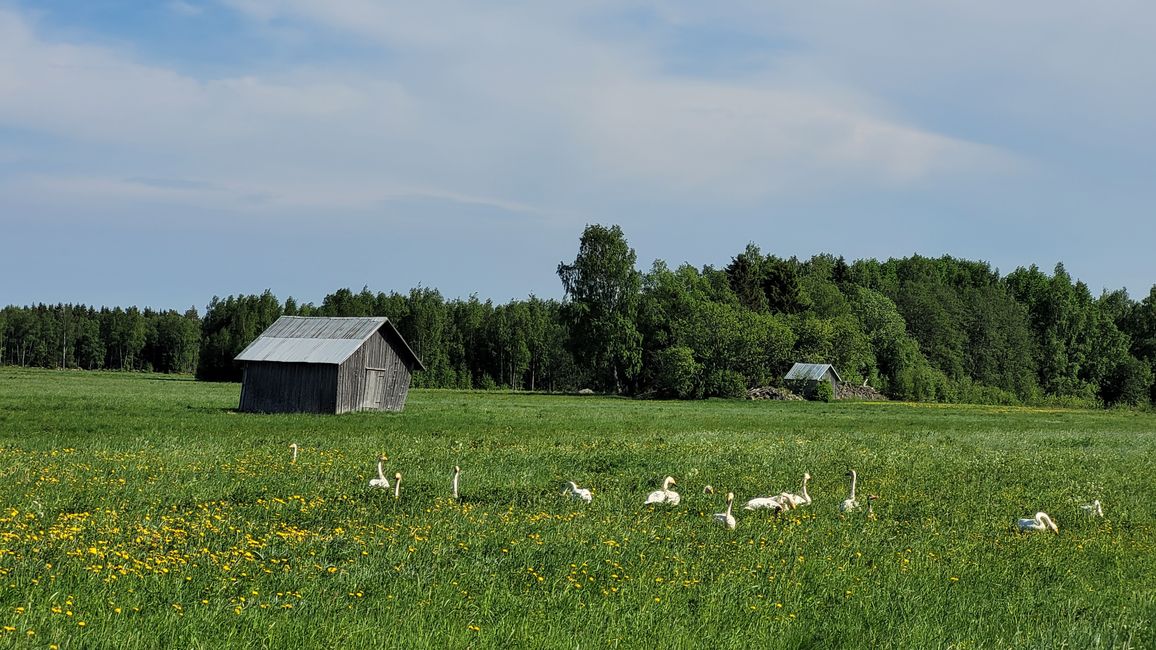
(140, 511)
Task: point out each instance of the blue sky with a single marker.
(160, 153)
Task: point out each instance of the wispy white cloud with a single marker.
(570, 113)
(185, 8)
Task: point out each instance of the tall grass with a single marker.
(139, 511)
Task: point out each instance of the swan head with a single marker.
(669, 481)
(708, 489)
(397, 476)
(806, 476)
(852, 474)
(730, 497)
(457, 470)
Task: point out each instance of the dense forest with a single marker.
(915, 328)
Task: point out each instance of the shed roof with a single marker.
(811, 371)
(311, 339)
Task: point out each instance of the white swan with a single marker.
(850, 503)
(1041, 522)
(397, 485)
(726, 518)
(457, 473)
(293, 446)
(1093, 509)
(799, 500)
(380, 481)
(665, 495)
(579, 493)
(776, 503)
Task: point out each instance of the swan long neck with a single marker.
(730, 503)
(380, 470)
(397, 486)
(458, 473)
(854, 478)
(807, 497)
(667, 482)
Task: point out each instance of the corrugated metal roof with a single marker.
(309, 339)
(274, 348)
(811, 371)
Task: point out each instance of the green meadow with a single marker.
(142, 511)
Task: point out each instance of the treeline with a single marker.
(915, 328)
(77, 336)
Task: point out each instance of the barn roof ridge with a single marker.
(811, 371)
(319, 339)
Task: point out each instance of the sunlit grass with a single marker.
(140, 511)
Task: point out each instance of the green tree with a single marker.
(602, 290)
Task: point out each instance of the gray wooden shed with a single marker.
(327, 365)
(802, 378)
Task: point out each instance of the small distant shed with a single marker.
(803, 378)
(327, 365)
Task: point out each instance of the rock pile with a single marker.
(770, 392)
(851, 391)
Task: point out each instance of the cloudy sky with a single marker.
(160, 153)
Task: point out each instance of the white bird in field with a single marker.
(776, 503)
(380, 481)
(665, 495)
(457, 474)
(1093, 509)
(1041, 522)
(850, 503)
(578, 493)
(293, 446)
(799, 500)
(726, 518)
(397, 485)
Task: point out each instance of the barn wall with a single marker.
(288, 388)
(356, 392)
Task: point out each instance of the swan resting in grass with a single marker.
(797, 500)
(726, 518)
(1040, 523)
(380, 481)
(578, 493)
(776, 503)
(1093, 509)
(850, 503)
(665, 495)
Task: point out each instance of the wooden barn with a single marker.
(803, 378)
(327, 365)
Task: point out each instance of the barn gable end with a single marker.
(327, 365)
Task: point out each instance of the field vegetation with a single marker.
(141, 511)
